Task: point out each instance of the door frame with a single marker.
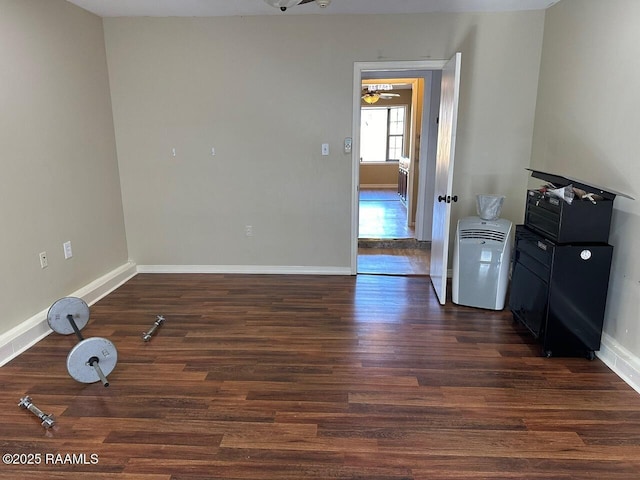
(394, 68)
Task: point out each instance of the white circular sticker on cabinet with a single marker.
(585, 254)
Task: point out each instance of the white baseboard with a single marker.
(623, 363)
(379, 185)
(245, 269)
(34, 329)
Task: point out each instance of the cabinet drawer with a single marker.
(544, 204)
(528, 299)
(540, 270)
(542, 221)
(534, 246)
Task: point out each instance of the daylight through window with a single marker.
(382, 132)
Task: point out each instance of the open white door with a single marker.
(448, 119)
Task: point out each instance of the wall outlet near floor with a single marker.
(44, 263)
(67, 250)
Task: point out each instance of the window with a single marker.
(382, 132)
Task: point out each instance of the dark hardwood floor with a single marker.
(315, 377)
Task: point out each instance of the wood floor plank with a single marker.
(316, 377)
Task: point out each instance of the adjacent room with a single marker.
(224, 258)
(391, 117)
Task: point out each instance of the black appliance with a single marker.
(561, 267)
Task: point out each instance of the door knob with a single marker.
(441, 198)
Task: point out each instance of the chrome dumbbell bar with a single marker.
(47, 419)
(146, 336)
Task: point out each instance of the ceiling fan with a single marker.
(373, 93)
(284, 4)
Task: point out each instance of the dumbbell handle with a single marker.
(47, 420)
(95, 363)
(75, 327)
(147, 335)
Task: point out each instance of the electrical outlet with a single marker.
(67, 250)
(44, 263)
(248, 230)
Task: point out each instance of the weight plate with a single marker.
(57, 315)
(78, 359)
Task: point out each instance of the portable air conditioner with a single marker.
(481, 261)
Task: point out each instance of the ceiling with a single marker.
(224, 8)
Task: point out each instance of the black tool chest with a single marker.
(582, 221)
(561, 267)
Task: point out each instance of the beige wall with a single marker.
(266, 92)
(587, 121)
(379, 175)
(58, 165)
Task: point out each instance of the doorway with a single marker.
(387, 131)
(392, 233)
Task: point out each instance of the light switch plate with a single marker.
(68, 253)
(325, 149)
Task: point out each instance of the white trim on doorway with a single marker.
(393, 67)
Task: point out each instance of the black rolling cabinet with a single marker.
(559, 292)
(561, 268)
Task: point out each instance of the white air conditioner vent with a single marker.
(483, 234)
